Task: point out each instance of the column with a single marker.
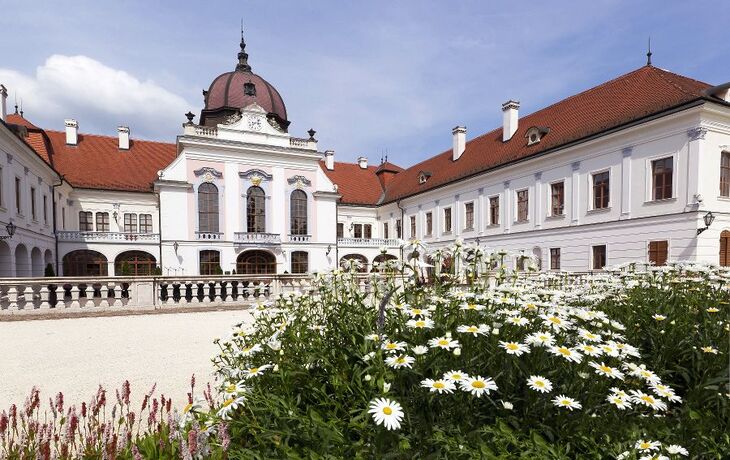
(626, 183)
(696, 165)
(507, 205)
(575, 193)
(538, 200)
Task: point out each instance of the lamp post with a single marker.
(709, 218)
(10, 228)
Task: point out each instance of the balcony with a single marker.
(300, 238)
(107, 237)
(369, 242)
(257, 238)
(211, 236)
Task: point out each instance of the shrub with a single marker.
(49, 271)
(548, 366)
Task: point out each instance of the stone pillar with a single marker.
(507, 205)
(626, 183)
(575, 194)
(538, 213)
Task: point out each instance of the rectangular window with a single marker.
(557, 193)
(385, 230)
(447, 220)
(725, 174)
(661, 171)
(102, 221)
(340, 230)
(17, 196)
(86, 223)
(210, 262)
(494, 210)
(367, 231)
(523, 202)
(554, 258)
(45, 209)
(130, 225)
(429, 223)
(63, 218)
(299, 262)
(33, 214)
(599, 257)
(145, 223)
(600, 190)
(658, 252)
(469, 216)
(357, 230)
(413, 226)
(398, 229)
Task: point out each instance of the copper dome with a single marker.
(235, 90)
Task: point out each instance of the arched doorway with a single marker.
(134, 263)
(256, 263)
(380, 259)
(48, 259)
(725, 248)
(22, 261)
(359, 261)
(36, 262)
(84, 262)
(5, 265)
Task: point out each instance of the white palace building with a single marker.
(635, 169)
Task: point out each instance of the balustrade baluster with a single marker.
(75, 297)
(28, 298)
(104, 301)
(12, 298)
(45, 293)
(117, 294)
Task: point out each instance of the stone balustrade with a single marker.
(48, 296)
(257, 238)
(67, 236)
(369, 242)
(209, 236)
(300, 238)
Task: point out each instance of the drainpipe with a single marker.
(55, 225)
(402, 223)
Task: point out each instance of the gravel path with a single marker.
(76, 355)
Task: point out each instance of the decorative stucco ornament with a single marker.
(256, 180)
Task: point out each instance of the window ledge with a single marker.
(493, 226)
(599, 210)
(468, 229)
(720, 197)
(555, 217)
(663, 200)
(525, 221)
(446, 233)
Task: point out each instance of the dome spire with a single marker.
(242, 55)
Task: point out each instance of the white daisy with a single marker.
(664, 391)
(438, 386)
(447, 343)
(640, 397)
(515, 348)
(250, 351)
(425, 323)
(589, 350)
(567, 353)
(556, 322)
(420, 350)
(229, 405)
(607, 371)
(255, 371)
(566, 402)
(455, 376)
(674, 449)
(386, 412)
(518, 321)
(646, 446)
(589, 336)
(544, 339)
(540, 384)
(415, 312)
(393, 346)
(482, 329)
(472, 306)
(399, 361)
(231, 388)
(478, 385)
(621, 402)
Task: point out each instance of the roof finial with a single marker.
(21, 108)
(16, 102)
(648, 53)
(242, 55)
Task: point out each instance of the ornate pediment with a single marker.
(299, 181)
(208, 173)
(256, 176)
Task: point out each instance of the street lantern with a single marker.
(10, 228)
(709, 218)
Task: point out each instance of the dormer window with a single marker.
(423, 177)
(535, 134)
(249, 89)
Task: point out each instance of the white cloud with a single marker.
(98, 96)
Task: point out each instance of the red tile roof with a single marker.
(96, 161)
(635, 95)
(356, 185)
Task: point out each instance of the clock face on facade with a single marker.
(254, 123)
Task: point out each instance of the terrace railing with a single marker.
(369, 242)
(65, 235)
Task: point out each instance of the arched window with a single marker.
(725, 248)
(255, 210)
(357, 261)
(299, 262)
(210, 263)
(208, 208)
(134, 263)
(256, 263)
(84, 262)
(298, 212)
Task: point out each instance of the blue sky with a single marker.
(368, 76)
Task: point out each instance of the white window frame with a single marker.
(591, 198)
(517, 206)
(649, 177)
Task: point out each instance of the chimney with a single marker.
(459, 142)
(510, 116)
(3, 103)
(72, 131)
(329, 160)
(123, 137)
(363, 162)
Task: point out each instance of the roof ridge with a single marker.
(137, 139)
(664, 74)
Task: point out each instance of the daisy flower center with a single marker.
(512, 346)
(478, 384)
(606, 369)
(539, 383)
(554, 320)
(564, 351)
(443, 342)
(253, 370)
(456, 376)
(387, 410)
(228, 402)
(472, 329)
(390, 346)
(438, 385)
(648, 399)
(420, 323)
(565, 402)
